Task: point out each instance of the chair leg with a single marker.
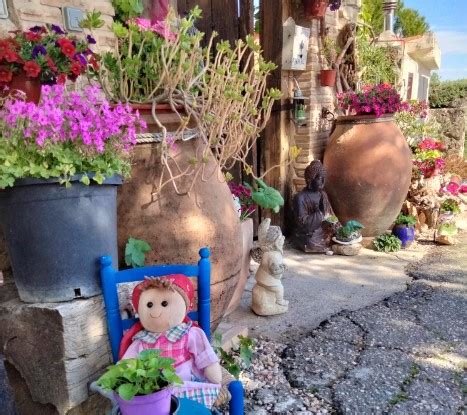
(236, 405)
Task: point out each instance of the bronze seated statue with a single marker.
(313, 215)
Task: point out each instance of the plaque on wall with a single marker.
(3, 10)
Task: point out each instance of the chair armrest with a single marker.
(236, 405)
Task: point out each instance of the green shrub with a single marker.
(443, 94)
(387, 243)
(450, 205)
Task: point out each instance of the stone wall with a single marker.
(453, 122)
(24, 14)
(313, 137)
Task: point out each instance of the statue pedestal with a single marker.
(52, 352)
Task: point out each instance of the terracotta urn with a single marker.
(369, 165)
(247, 244)
(177, 226)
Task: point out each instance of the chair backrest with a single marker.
(110, 278)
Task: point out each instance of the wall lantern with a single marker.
(299, 115)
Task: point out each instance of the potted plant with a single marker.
(404, 229)
(349, 234)
(450, 206)
(329, 54)
(142, 386)
(43, 55)
(60, 162)
(317, 8)
(369, 172)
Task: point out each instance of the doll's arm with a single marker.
(204, 357)
(133, 350)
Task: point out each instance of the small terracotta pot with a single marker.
(314, 9)
(328, 77)
(30, 86)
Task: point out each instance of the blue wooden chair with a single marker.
(110, 278)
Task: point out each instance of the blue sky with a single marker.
(448, 19)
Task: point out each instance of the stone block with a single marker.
(58, 348)
(33, 12)
(103, 6)
(347, 250)
(230, 333)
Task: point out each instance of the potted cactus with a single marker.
(404, 229)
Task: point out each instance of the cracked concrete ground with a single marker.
(404, 355)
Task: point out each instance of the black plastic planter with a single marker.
(55, 236)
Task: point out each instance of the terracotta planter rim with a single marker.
(364, 119)
(148, 106)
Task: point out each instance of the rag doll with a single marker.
(162, 305)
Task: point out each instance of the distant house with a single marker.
(419, 56)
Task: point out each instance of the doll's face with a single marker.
(160, 309)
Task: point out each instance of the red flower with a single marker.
(76, 68)
(11, 56)
(32, 37)
(94, 63)
(61, 79)
(67, 47)
(51, 64)
(4, 48)
(32, 69)
(5, 74)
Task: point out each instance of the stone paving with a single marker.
(404, 355)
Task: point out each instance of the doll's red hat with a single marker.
(178, 282)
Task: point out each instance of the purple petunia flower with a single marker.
(36, 29)
(38, 50)
(57, 29)
(91, 40)
(81, 58)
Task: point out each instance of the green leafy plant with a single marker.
(377, 64)
(408, 220)
(445, 94)
(146, 374)
(135, 252)
(447, 229)
(266, 196)
(351, 230)
(450, 205)
(329, 52)
(238, 358)
(387, 243)
(127, 9)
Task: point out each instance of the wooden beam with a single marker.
(272, 16)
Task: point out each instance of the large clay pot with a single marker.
(328, 77)
(177, 226)
(369, 166)
(30, 86)
(247, 235)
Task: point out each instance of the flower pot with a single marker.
(315, 8)
(55, 236)
(176, 226)
(155, 403)
(164, 112)
(247, 234)
(351, 240)
(30, 86)
(328, 77)
(369, 167)
(405, 233)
